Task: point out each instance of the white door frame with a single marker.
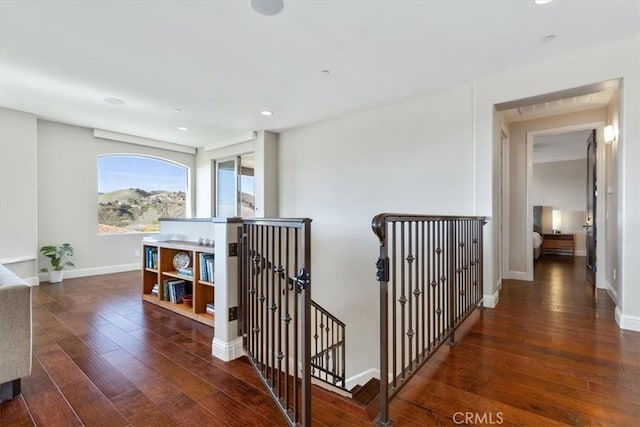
(600, 197)
(505, 140)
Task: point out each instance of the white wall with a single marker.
(68, 197)
(435, 154)
(18, 193)
(562, 186)
(411, 157)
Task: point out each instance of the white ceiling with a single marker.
(560, 147)
(221, 64)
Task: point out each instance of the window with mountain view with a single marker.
(135, 191)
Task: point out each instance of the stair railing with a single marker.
(328, 358)
(275, 295)
(430, 276)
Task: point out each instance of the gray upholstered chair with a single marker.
(15, 333)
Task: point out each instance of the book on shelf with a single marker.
(178, 289)
(166, 288)
(151, 257)
(207, 267)
(210, 308)
(154, 290)
(185, 271)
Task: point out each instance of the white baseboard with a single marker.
(362, 378)
(227, 351)
(627, 321)
(518, 275)
(491, 301)
(613, 294)
(85, 272)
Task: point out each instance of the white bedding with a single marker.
(537, 240)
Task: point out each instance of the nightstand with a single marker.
(561, 244)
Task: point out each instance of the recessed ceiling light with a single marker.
(176, 110)
(547, 39)
(183, 128)
(113, 101)
(267, 113)
(326, 72)
(267, 7)
(541, 1)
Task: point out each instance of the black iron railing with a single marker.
(327, 347)
(430, 276)
(275, 294)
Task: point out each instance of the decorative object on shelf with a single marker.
(55, 255)
(188, 300)
(181, 260)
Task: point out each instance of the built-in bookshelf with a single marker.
(174, 269)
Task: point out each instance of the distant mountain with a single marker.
(139, 210)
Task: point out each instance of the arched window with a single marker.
(135, 191)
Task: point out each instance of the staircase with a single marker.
(327, 348)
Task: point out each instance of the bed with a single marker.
(537, 232)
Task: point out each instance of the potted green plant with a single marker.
(56, 254)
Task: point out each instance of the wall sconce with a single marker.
(556, 220)
(609, 134)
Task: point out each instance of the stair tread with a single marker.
(367, 392)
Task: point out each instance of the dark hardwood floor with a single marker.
(102, 357)
(547, 355)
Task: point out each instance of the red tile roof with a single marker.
(111, 229)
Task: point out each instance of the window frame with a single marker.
(237, 170)
(188, 191)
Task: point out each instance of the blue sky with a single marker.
(149, 174)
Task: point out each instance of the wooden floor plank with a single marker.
(46, 403)
(92, 407)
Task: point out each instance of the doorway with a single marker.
(572, 222)
(540, 116)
